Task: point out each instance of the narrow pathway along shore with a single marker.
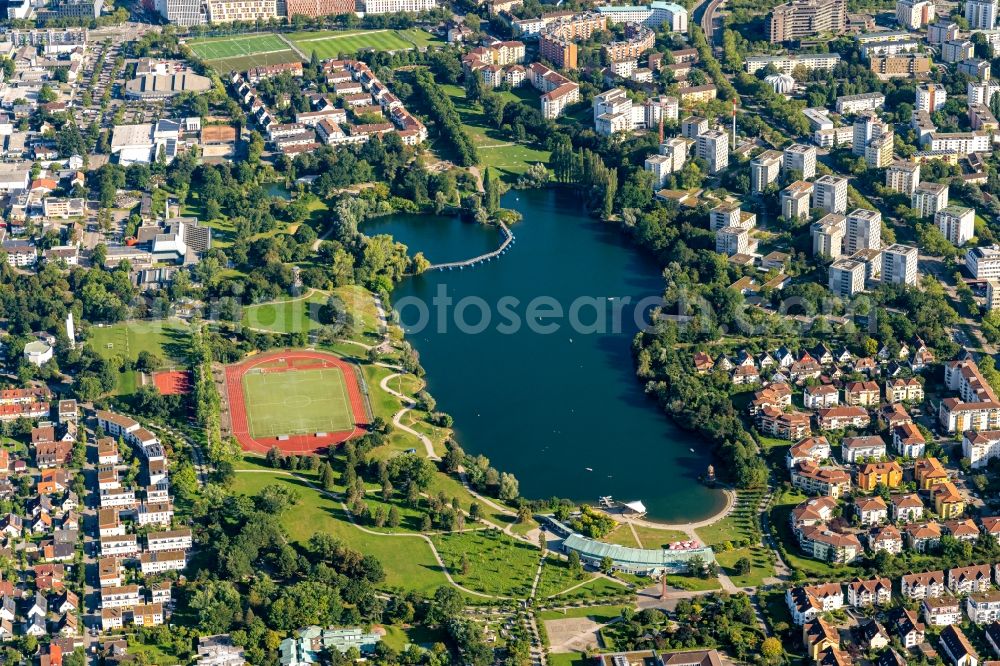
(687, 528)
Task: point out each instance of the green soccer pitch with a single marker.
(243, 52)
(296, 402)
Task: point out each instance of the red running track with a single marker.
(296, 444)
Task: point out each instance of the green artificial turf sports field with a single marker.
(297, 402)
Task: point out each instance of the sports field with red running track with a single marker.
(284, 361)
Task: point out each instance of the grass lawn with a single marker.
(556, 578)
(598, 588)
(760, 565)
(298, 314)
(332, 43)
(736, 528)
(408, 561)
(568, 659)
(167, 339)
(296, 403)
(398, 637)
(495, 149)
(496, 563)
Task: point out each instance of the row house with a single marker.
(162, 561)
(109, 523)
(124, 545)
(179, 539)
(856, 449)
(904, 390)
(808, 602)
(142, 615)
(123, 596)
(908, 441)
(838, 418)
(865, 593)
(120, 497)
(966, 580)
(814, 449)
(109, 572)
(783, 425)
(830, 481)
(941, 611)
(107, 451)
(887, 538)
(155, 514)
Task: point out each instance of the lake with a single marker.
(552, 399)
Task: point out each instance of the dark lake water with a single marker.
(556, 404)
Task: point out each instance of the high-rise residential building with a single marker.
(847, 277)
(956, 223)
(914, 14)
(867, 126)
(693, 126)
(726, 214)
(654, 15)
(864, 230)
(557, 40)
(732, 240)
(181, 12)
(981, 92)
(903, 177)
(802, 158)
(828, 235)
(764, 170)
(942, 31)
(806, 18)
(317, 8)
(930, 97)
(713, 147)
(977, 68)
(878, 152)
(981, 14)
(899, 264)
(928, 198)
(613, 112)
(956, 50)
(830, 194)
(795, 200)
(674, 152)
(983, 263)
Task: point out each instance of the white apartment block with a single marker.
(229, 11)
(956, 223)
(726, 214)
(613, 112)
(929, 198)
(713, 147)
(864, 230)
(828, 235)
(878, 152)
(764, 170)
(930, 97)
(981, 447)
(962, 143)
(903, 177)
(830, 194)
(119, 546)
(802, 158)
(693, 126)
(983, 607)
(957, 50)
(993, 295)
(795, 200)
(155, 514)
(847, 277)
(396, 6)
(786, 64)
(981, 14)
(899, 265)
(849, 104)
